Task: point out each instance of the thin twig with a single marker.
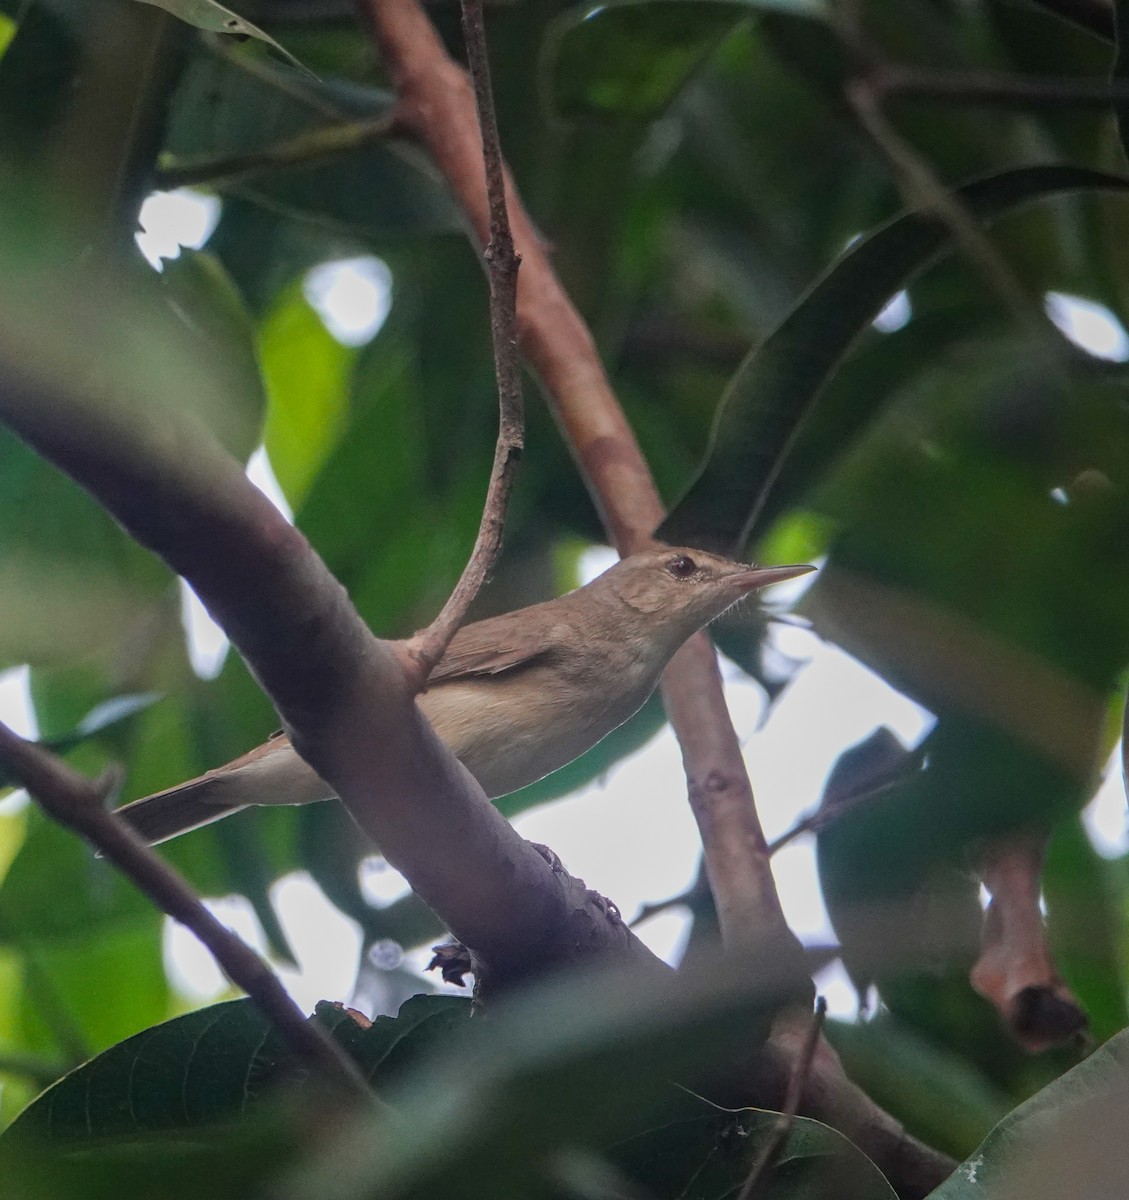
(434, 105)
(78, 804)
(819, 820)
(502, 263)
(304, 150)
(996, 88)
(922, 189)
(787, 1117)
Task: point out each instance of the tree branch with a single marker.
(435, 105)
(502, 264)
(996, 88)
(801, 1069)
(342, 694)
(304, 150)
(79, 805)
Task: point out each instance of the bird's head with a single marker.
(688, 587)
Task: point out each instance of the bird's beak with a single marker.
(762, 577)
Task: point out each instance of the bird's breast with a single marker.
(511, 730)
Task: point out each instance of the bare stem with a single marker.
(996, 88)
(923, 190)
(79, 805)
(305, 150)
(502, 263)
(787, 1118)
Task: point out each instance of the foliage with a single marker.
(730, 231)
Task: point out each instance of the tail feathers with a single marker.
(166, 814)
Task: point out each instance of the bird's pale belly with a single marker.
(507, 745)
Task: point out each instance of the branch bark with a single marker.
(343, 695)
(78, 804)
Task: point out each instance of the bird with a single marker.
(514, 696)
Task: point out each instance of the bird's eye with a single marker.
(682, 567)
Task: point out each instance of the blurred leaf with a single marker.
(209, 15)
(1120, 71)
(936, 1093)
(1087, 913)
(36, 76)
(1066, 1141)
(577, 1061)
(777, 386)
(307, 372)
(203, 295)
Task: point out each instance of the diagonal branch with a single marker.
(78, 804)
(302, 150)
(502, 264)
(343, 695)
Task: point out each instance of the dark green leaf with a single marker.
(212, 16)
(631, 59)
(777, 387)
(212, 1067)
(708, 1156)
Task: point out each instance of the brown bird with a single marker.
(515, 696)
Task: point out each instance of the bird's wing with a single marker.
(492, 646)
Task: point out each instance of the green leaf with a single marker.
(1120, 72)
(709, 1155)
(211, 1067)
(777, 387)
(307, 373)
(576, 1061)
(1068, 1140)
(213, 17)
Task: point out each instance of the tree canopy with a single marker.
(800, 281)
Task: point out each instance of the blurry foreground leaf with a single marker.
(1068, 1140)
(577, 1062)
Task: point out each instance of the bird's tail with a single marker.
(175, 811)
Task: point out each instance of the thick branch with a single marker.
(78, 804)
(502, 267)
(342, 694)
